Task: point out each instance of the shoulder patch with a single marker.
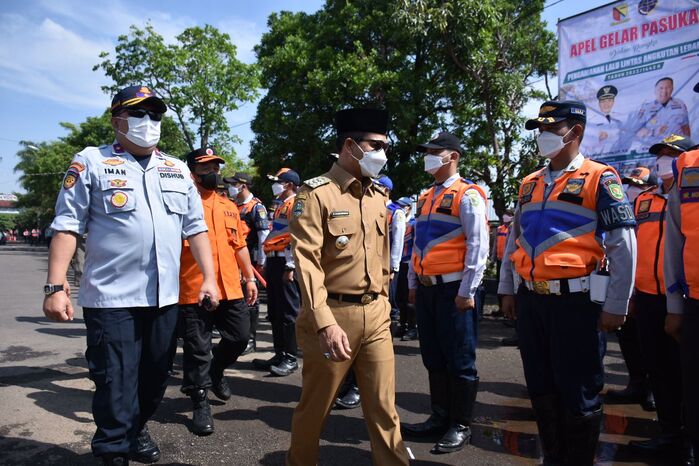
(317, 182)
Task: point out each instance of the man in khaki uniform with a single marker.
(340, 238)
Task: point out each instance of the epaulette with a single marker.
(317, 182)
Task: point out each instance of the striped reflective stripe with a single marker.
(451, 235)
(435, 217)
(561, 236)
(562, 206)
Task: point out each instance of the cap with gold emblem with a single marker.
(674, 142)
(553, 111)
(607, 92)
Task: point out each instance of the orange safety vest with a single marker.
(501, 240)
(687, 175)
(280, 238)
(557, 234)
(440, 244)
(244, 209)
(650, 211)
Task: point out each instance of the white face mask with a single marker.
(372, 163)
(143, 132)
(663, 166)
(433, 163)
(233, 191)
(632, 192)
(277, 188)
(550, 144)
(507, 218)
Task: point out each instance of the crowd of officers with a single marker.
(175, 249)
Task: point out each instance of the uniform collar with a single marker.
(449, 181)
(574, 165)
(343, 178)
(246, 200)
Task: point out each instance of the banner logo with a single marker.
(646, 6)
(620, 14)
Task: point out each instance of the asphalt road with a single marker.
(45, 398)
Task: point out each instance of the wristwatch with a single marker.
(50, 289)
(249, 280)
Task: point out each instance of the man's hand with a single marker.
(288, 275)
(58, 307)
(632, 308)
(507, 304)
(412, 296)
(334, 340)
(673, 325)
(66, 287)
(464, 304)
(610, 322)
(209, 288)
(250, 293)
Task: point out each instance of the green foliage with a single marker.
(458, 65)
(8, 221)
(199, 76)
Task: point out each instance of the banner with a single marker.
(634, 64)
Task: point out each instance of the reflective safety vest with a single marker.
(280, 238)
(687, 175)
(501, 241)
(245, 209)
(408, 239)
(650, 211)
(440, 244)
(557, 234)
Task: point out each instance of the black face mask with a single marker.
(210, 180)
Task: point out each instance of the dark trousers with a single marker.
(561, 348)
(448, 337)
(661, 358)
(283, 303)
(689, 349)
(630, 346)
(407, 310)
(129, 355)
(232, 319)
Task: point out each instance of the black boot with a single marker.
(265, 364)
(147, 450)
(202, 422)
(287, 366)
(438, 422)
(251, 348)
(219, 386)
(463, 397)
(254, 316)
(550, 421)
(582, 435)
(115, 459)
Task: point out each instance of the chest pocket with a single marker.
(232, 229)
(117, 193)
(343, 240)
(381, 235)
(174, 191)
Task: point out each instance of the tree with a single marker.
(346, 54)
(501, 46)
(199, 76)
(400, 55)
(43, 164)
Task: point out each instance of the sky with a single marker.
(50, 46)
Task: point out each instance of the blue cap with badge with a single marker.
(553, 111)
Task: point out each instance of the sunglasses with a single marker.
(140, 113)
(375, 144)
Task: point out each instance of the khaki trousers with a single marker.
(368, 331)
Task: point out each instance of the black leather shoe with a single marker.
(115, 459)
(350, 399)
(147, 450)
(661, 444)
(410, 335)
(648, 401)
(287, 366)
(454, 440)
(265, 364)
(251, 348)
(434, 425)
(202, 422)
(219, 386)
(687, 455)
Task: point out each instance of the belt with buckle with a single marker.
(365, 298)
(431, 280)
(558, 287)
